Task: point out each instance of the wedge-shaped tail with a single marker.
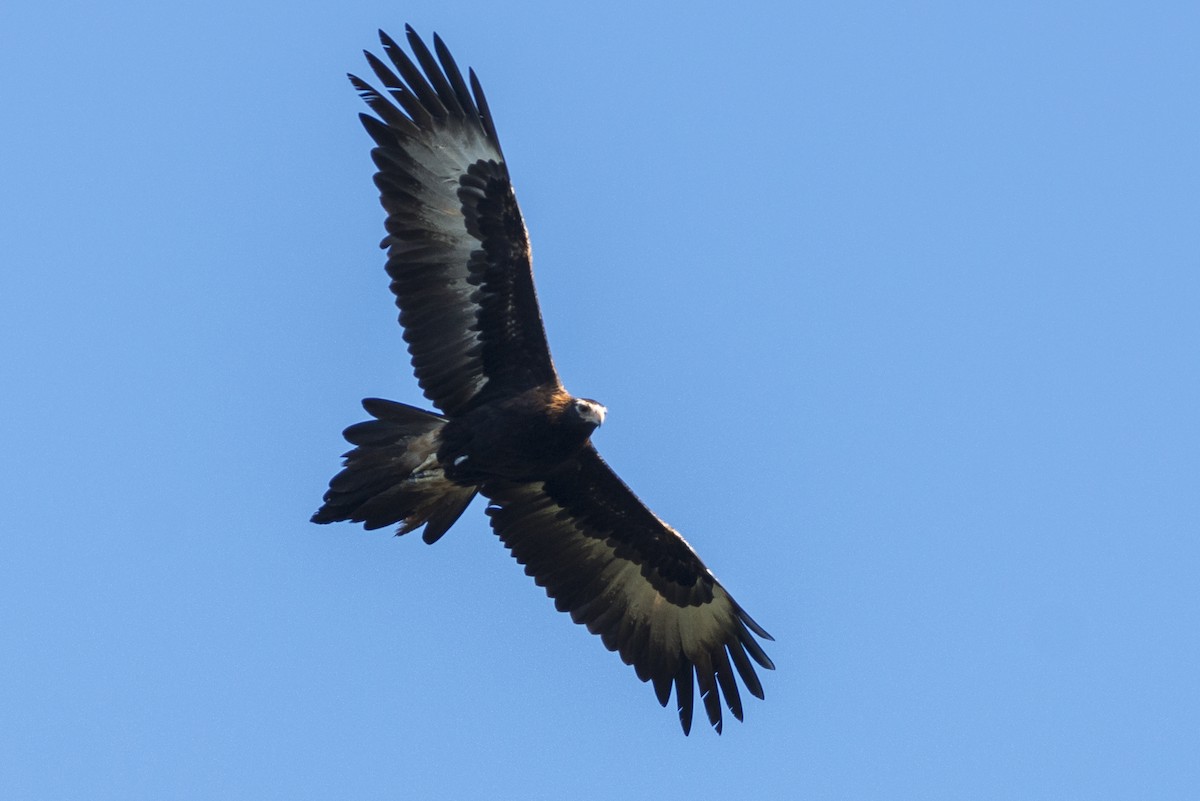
(392, 475)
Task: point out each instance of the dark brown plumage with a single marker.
(459, 260)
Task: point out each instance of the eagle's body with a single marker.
(459, 260)
(523, 438)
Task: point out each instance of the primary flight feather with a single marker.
(459, 260)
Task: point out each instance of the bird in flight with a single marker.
(459, 261)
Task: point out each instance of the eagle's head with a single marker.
(588, 412)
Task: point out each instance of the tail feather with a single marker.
(392, 475)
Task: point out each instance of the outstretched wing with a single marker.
(632, 579)
(458, 253)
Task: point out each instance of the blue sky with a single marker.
(893, 306)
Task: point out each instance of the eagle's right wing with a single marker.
(632, 579)
(458, 252)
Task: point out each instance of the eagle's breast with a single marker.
(523, 438)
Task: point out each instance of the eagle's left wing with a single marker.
(632, 579)
(458, 254)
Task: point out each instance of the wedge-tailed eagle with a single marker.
(459, 262)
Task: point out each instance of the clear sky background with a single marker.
(893, 305)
